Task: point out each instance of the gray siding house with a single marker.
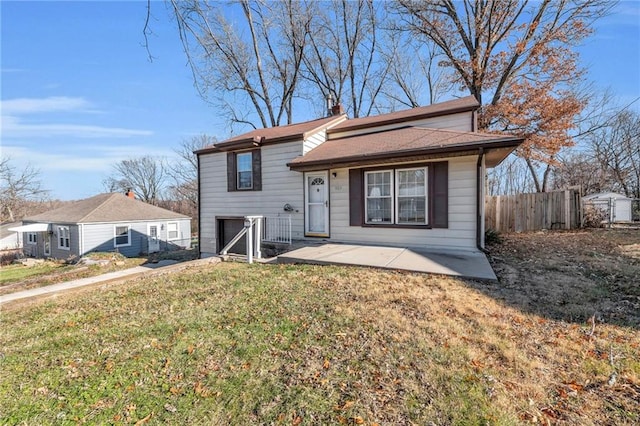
(104, 223)
(413, 178)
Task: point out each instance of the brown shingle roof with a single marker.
(399, 143)
(273, 134)
(109, 207)
(468, 103)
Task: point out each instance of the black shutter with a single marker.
(257, 169)
(356, 197)
(439, 198)
(231, 171)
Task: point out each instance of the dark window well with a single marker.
(244, 171)
(415, 196)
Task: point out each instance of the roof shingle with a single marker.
(275, 134)
(108, 207)
(468, 103)
(397, 143)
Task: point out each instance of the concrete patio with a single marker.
(461, 263)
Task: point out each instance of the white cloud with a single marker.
(37, 105)
(95, 159)
(14, 125)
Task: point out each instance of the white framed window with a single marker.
(379, 197)
(244, 170)
(32, 238)
(411, 200)
(172, 231)
(121, 235)
(64, 242)
(396, 197)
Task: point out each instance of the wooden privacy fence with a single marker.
(533, 212)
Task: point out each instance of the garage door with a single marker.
(229, 228)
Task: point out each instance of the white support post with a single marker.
(258, 222)
(248, 223)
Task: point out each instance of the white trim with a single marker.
(115, 236)
(394, 196)
(177, 237)
(398, 196)
(156, 239)
(32, 238)
(47, 244)
(325, 176)
(390, 196)
(238, 171)
(67, 237)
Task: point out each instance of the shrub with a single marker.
(594, 217)
(491, 236)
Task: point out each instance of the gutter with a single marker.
(479, 200)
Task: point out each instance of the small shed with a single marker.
(616, 206)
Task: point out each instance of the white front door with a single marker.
(47, 245)
(154, 241)
(316, 216)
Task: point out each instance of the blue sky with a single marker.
(79, 93)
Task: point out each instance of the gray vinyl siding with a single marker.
(101, 236)
(61, 253)
(280, 186)
(461, 232)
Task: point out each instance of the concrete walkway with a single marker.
(462, 263)
(110, 277)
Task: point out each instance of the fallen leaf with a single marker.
(144, 419)
(326, 364)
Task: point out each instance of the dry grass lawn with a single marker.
(309, 345)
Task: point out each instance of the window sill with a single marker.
(394, 225)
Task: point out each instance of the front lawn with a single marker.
(309, 345)
(17, 272)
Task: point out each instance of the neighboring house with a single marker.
(411, 178)
(9, 240)
(616, 207)
(105, 222)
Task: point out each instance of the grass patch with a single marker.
(18, 272)
(20, 277)
(281, 344)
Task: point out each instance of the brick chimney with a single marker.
(130, 194)
(337, 109)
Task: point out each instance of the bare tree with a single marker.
(519, 56)
(145, 176)
(18, 190)
(617, 149)
(184, 173)
(510, 177)
(253, 77)
(344, 54)
(580, 169)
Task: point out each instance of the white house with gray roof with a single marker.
(104, 223)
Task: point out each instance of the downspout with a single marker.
(199, 213)
(479, 200)
(81, 239)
